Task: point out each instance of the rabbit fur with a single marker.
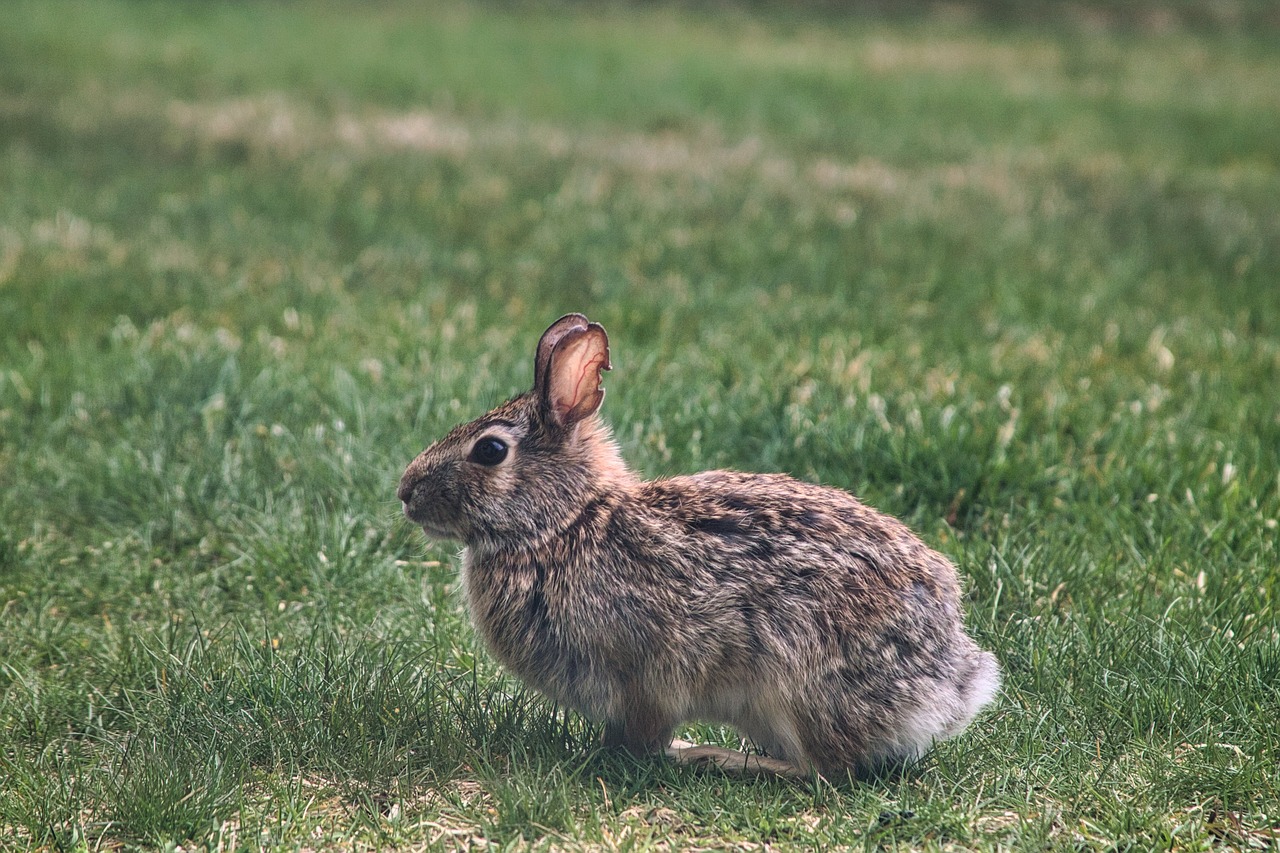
(824, 631)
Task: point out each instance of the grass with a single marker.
(1017, 285)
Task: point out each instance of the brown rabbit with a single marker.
(823, 630)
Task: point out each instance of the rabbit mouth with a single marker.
(436, 534)
(435, 531)
(434, 528)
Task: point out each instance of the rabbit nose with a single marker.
(405, 492)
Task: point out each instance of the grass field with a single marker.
(1018, 284)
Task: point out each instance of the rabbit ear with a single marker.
(571, 357)
(547, 344)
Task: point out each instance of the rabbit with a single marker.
(824, 631)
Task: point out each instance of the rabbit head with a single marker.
(526, 468)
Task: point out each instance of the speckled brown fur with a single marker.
(825, 631)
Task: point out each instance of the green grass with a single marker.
(1019, 285)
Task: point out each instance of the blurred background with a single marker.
(1009, 270)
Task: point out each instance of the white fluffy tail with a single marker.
(951, 710)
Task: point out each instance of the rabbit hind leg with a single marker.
(732, 761)
(764, 719)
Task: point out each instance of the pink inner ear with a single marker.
(589, 378)
(551, 338)
(575, 375)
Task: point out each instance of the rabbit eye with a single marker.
(488, 451)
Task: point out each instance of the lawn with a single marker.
(1014, 281)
